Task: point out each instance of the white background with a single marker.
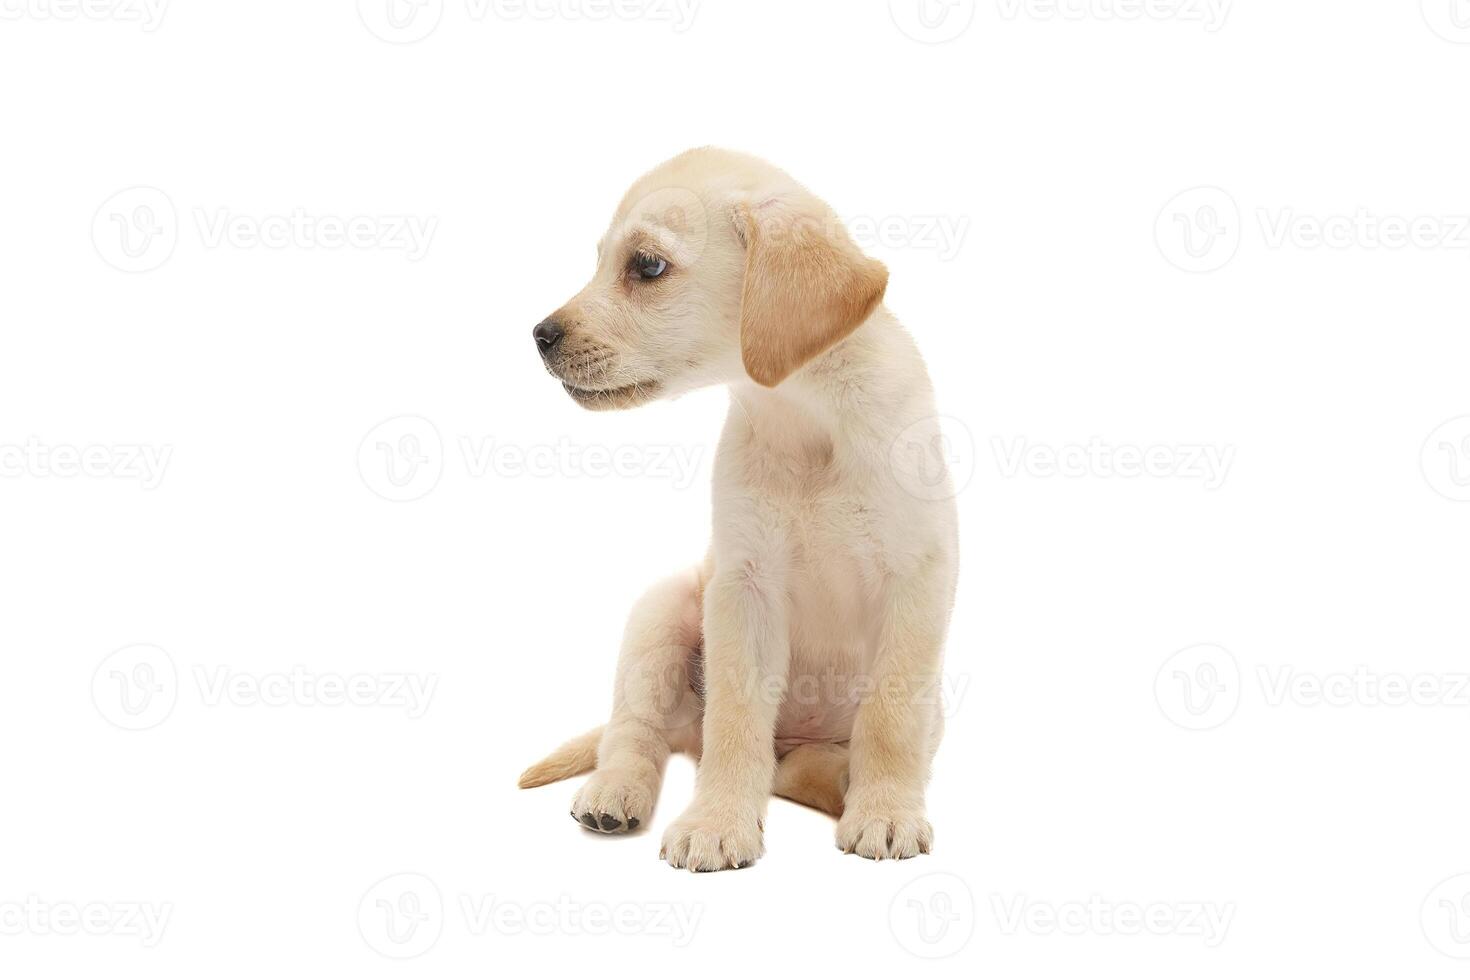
(1078, 778)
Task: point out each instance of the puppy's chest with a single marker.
(834, 573)
(822, 536)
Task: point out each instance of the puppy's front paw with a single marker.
(884, 832)
(710, 839)
(611, 802)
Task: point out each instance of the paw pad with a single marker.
(605, 823)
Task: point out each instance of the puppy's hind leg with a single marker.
(655, 709)
(814, 775)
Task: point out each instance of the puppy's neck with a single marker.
(840, 398)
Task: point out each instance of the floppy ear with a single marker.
(806, 285)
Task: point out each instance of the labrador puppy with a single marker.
(802, 656)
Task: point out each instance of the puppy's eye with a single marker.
(649, 266)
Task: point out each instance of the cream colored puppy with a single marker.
(802, 657)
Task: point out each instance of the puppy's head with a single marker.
(716, 268)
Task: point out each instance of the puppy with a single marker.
(802, 657)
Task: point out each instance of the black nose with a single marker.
(548, 334)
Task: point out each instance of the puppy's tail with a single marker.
(572, 759)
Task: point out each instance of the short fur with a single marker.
(802, 656)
